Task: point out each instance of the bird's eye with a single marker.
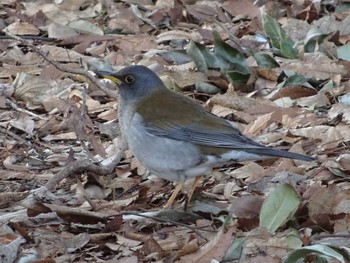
(129, 79)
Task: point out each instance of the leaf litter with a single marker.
(286, 88)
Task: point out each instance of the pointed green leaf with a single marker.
(265, 61)
(287, 49)
(293, 239)
(238, 77)
(295, 80)
(197, 55)
(278, 207)
(234, 252)
(278, 37)
(230, 54)
(313, 39)
(321, 250)
(203, 58)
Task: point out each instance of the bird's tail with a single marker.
(279, 153)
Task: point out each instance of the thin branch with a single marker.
(15, 136)
(166, 220)
(79, 166)
(17, 108)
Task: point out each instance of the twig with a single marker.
(165, 220)
(35, 38)
(79, 166)
(17, 108)
(15, 136)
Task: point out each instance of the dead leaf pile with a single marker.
(279, 70)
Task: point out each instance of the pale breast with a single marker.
(169, 159)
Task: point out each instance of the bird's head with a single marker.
(134, 82)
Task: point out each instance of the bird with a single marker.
(173, 136)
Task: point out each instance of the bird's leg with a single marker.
(173, 196)
(191, 191)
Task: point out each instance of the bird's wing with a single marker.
(190, 122)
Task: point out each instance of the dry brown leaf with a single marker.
(318, 100)
(259, 124)
(340, 110)
(11, 161)
(247, 206)
(11, 70)
(190, 247)
(331, 137)
(126, 22)
(24, 123)
(261, 241)
(7, 199)
(151, 246)
(294, 92)
(178, 34)
(248, 105)
(344, 160)
(18, 175)
(129, 259)
(215, 249)
(341, 202)
(241, 8)
(60, 31)
(326, 68)
(60, 137)
(76, 242)
(59, 54)
(221, 111)
(22, 29)
(251, 172)
(321, 200)
(267, 74)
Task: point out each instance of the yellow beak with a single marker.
(108, 75)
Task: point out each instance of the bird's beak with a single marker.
(108, 75)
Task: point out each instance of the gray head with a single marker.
(134, 82)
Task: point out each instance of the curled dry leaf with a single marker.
(22, 28)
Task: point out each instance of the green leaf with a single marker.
(278, 207)
(295, 80)
(230, 54)
(278, 37)
(287, 49)
(195, 51)
(343, 52)
(237, 77)
(293, 239)
(341, 251)
(338, 172)
(328, 86)
(234, 252)
(265, 61)
(313, 39)
(203, 58)
(321, 250)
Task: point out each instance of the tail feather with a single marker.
(279, 153)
